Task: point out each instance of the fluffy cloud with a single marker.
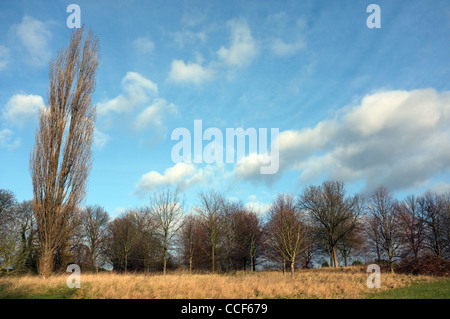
(141, 108)
(243, 48)
(6, 140)
(137, 89)
(181, 175)
(240, 53)
(189, 73)
(20, 109)
(34, 35)
(171, 176)
(399, 139)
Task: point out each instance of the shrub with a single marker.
(427, 265)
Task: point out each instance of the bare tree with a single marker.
(7, 202)
(123, 235)
(382, 208)
(412, 227)
(211, 210)
(167, 212)
(286, 233)
(61, 157)
(446, 225)
(242, 236)
(17, 233)
(189, 239)
(334, 214)
(94, 222)
(432, 207)
(352, 242)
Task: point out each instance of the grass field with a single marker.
(318, 283)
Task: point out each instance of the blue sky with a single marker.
(366, 106)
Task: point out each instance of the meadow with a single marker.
(343, 283)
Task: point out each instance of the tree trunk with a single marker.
(213, 259)
(46, 261)
(190, 264)
(335, 258)
(391, 262)
(292, 267)
(165, 261)
(378, 252)
(126, 263)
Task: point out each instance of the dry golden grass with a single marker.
(317, 283)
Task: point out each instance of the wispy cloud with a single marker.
(286, 43)
(100, 138)
(7, 141)
(34, 35)
(4, 57)
(187, 37)
(144, 44)
(153, 114)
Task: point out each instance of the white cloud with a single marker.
(189, 73)
(34, 35)
(21, 109)
(171, 176)
(6, 140)
(138, 89)
(399, 139)
(250, 165)
(257, 206)
(144, 44)
(181, 175)
(243, 48)
(100, 138)
(4, 57)
(139, 107)
(153, 114)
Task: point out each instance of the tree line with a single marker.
(321, 225)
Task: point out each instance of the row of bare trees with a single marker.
(219, 235)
